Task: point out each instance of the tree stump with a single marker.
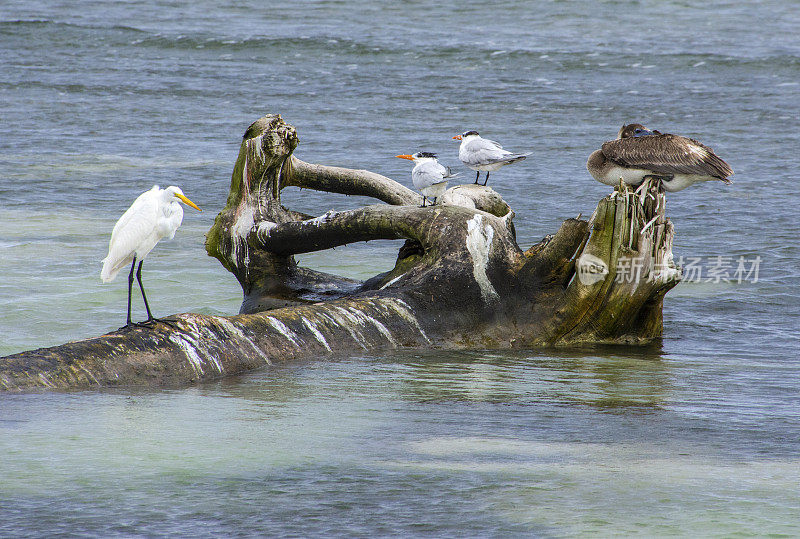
(460, 280)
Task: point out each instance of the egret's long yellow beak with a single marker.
(187, 201)
(405, 156)
(457, 137)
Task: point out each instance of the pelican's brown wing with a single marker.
(667, 154)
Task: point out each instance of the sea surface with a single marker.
(698, 435)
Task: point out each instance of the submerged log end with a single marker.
(191, 348)
(622, 273)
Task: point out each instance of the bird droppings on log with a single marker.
(286, 332)
(479, 243)
(460, 280)
(316, 333)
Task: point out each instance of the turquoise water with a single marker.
(696, 436)
(414, 444)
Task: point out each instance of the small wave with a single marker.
(228, 43)
(101, 163)
(47, 22)
(10, 244)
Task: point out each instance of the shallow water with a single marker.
(696, 436)
(413, 444)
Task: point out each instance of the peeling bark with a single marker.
(460, 280)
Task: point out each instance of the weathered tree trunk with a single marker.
(460, 280)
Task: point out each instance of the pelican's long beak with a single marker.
(406, 156)
(187, 201)
(457, 137)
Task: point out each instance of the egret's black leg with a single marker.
(424, 199)
(487, 178)
(433, 203)
(477, 176)
(130, 289)
(150, 317)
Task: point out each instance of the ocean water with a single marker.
(698, 435)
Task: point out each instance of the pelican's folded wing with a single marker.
(667, 154)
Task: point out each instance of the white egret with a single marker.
(154, 215)
(482, 154)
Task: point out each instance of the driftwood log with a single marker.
(460, 280)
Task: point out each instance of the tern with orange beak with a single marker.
(428, 175)
(484, 155)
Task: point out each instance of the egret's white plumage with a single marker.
(428, 175)
(154, 215)
(484, 155)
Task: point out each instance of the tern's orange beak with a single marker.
(457, 137)
(405, 156)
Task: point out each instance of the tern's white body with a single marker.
(430, 177)
(154, 215)
(485, 155)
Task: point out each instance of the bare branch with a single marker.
(438, 225)
(347, 181)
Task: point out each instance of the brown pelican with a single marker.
(638, 153)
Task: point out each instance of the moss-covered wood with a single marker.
(460, 281)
